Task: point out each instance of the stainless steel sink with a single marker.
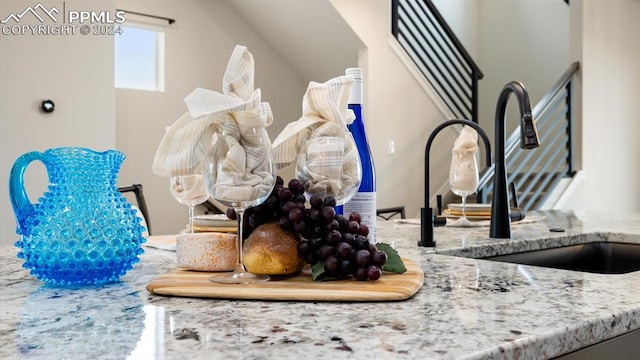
(596, 257)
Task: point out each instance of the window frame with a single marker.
(159, 58)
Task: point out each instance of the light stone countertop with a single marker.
(466, 309)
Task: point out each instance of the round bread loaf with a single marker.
(272, 250)
(207, 251)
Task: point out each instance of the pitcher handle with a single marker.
(17, 193)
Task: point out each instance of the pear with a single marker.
(272, 250)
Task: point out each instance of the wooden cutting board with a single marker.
(390, 287)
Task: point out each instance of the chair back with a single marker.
(142, 204)
(388, 213)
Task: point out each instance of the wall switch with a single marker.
(391, 147)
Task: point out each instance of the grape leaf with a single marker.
(394, 263)
(317, 271)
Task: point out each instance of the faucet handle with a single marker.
(529, 138)
(514, 194)
(439, 221)
(515, 213)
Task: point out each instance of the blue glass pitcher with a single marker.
(82, 231)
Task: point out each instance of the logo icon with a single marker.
(35, 12)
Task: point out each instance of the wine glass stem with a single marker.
(464, 205)
(239, 264)
(191, 219)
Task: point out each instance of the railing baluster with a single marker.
(439, 55)
(438, 72)
(569, 118)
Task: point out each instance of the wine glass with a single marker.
(241, 174)
(329, 166)
(463, 178)
(188, 190)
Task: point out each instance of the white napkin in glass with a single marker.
(189, 189)
(238, 113)
(320, 140)
(464, 151)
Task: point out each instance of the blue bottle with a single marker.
(364, 201)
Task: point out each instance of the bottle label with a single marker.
(365, 204)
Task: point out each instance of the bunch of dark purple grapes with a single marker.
(341, 245)
(338, 242)
(278, 207)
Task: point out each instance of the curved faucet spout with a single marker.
(426, 213)
(500, 222)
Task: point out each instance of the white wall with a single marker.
(462, 17)
(504, 38)
(513, 47)
(609, 49)
(76, 72)
(198, 46)
(300, 39)
(396, 108)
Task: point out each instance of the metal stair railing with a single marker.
(437, 52)
(536, 172)
(431, 44)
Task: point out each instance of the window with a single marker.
(139, 58)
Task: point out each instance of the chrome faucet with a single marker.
(426, 213)
(500, 222)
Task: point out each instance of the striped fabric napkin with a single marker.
(319, 142)
(463, 169)
(231, 121)
(188, 189)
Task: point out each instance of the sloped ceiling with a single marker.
(309, 35)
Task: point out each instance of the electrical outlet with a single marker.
(391, 147)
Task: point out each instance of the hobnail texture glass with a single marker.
(82, 231)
